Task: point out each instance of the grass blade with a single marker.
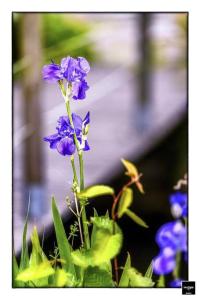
(63, 244)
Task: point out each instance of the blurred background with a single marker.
(138, 105)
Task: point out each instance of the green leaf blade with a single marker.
(24, 261)
(36, 272)
(136, 219)
(137, 280)
(95, 191)
(130, 168)
(105, 247)
(125, 201)
(124, 280)
(95, 277)
(63, 244)
(149, 271)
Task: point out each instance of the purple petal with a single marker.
(84, 65)
(53, 140)
(87, 119)
(163, 265)
(66, 146)
(79, 89)
(77, 121)
(52, 73)
(64, 128)
(86, 147)
(178, 203)
(68, 66)
(176, 283)
(172, 234)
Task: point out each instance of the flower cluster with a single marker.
(63, 140)
(73, 70)
(171, 238)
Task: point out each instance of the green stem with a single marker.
(72, 124)
(74, 169)
(176, 272)
(80, 156)
(161, 281)
(83, 214)
(75, 199)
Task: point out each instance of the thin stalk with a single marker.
(78, 217)
(75, 199)
(74, 169)
(83, 214)
(176, 272)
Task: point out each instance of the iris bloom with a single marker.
(171, 238)
(73, 70)
(165, 262)
(63, 139)
(173, 235)
(178, 203)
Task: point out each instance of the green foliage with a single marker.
(161, 281)
(83, 267)
(95, 191)
(15, 269)
(149, 271)
(35, 272)
(97, 277)
(37, 255)
(125, 201)
(105, 247)
(136, 219)
(63, 279)
(124, 280)
(131, 169)
(24, 261)
(63, 244)
(137, 280)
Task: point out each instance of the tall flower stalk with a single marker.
(72, 132)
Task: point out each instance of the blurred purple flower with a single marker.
(173, 235)
(178, 203)
(176, 283)
(171, 238)
(74, 70)
(63, 139)
(165, 262)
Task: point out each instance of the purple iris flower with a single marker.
(74, 70)
(176, 283)
(63, 139)
(171, 238)
(179, 206)
(165, 262)
(173, 235)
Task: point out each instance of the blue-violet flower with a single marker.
(73, 70)
(165, 262)
(63, 139)
(173, 235)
